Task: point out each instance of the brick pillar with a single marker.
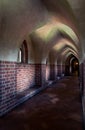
(59, 70)
(52, 72)
(40, 75)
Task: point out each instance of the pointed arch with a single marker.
(23, 53)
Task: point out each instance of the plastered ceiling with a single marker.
(43, 21)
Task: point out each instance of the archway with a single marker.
(72, 66)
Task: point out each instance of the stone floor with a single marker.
(56, 108)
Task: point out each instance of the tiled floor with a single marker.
(56, 108)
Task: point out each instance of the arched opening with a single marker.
(23, 53)
(72, 66)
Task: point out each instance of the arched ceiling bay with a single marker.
(62, 43)
(67, 50)
(53, 27)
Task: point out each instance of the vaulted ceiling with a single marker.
(50, 24)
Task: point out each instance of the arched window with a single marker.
(20, 53)
(23, 53)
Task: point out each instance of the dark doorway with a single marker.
(72, 66)
(75, 67)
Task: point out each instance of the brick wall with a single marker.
(7, 86)
(14, 79)
(40, 75)
(25, 76)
